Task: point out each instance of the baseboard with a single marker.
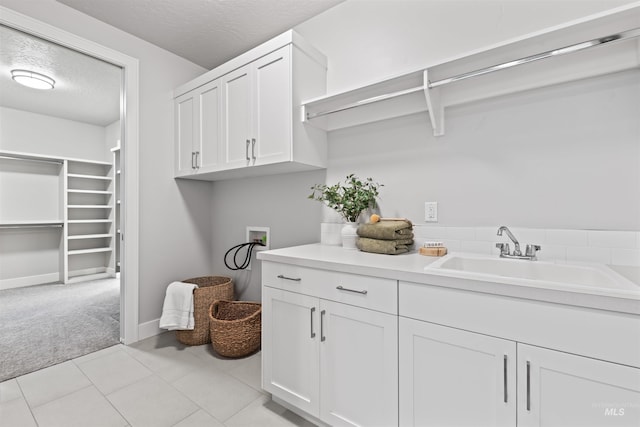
(149, 329)
(87, 271)
(21, 282)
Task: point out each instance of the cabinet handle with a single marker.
(295, 279)
(504, 369)
(528, 386)
(313, 310)
(193, 155)
(253, 148)
(322, 337)
(197, 158)
(246, 150)
(340, 288)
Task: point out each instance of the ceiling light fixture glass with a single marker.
(32, 79)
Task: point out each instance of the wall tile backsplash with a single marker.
(608, 247)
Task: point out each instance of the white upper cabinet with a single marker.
(250, 124)
(198, 129)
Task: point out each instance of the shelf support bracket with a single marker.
(434, 105)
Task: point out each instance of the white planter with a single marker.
(349, 235)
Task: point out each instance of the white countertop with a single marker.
(410, 267)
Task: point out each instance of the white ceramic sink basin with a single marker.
(597, 276)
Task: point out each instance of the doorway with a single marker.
(128, 153)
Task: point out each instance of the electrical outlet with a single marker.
(431, 211)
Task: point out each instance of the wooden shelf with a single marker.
(90, 191)
(89, 251)
(89, 236)
(96, 177)
(88, 221)
(90, 207)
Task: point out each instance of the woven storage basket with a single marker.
(235, 327)
(210, 288)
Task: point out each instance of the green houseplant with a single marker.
(349, 198)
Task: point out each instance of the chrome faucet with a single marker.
(530, 252)
(516, 249)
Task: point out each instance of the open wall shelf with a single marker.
(600, 44)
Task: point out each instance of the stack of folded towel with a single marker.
(386, 237)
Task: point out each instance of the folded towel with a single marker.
(177, 311)
(387, 230)
(388, 247)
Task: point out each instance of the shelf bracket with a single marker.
(434, 105)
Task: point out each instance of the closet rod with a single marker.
(365, 102)
(556, 52)
(4, 226)
(544, 55)
(4, 156)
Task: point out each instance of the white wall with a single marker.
(175, 218)
(40, 134)
(561, 157)
(278, 202)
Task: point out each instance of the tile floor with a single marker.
(156, 382)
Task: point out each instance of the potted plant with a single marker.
(349, 198)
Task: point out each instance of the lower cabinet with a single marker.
(451, 377)
(336, 362)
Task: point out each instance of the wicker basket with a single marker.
(235, 327)
(210, 288)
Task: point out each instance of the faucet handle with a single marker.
(504, 248)
(531, 250)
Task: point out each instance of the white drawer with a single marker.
(599, 334)
(374, 293)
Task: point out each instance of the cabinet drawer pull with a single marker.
(504, 374)
(295, 279)
(197, 159)
(322, 337)
(246, 150)
(313, 310)
(193, 155)
(253, 148)
(341, 288)
(528, 386)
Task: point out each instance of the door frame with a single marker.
(129, 107)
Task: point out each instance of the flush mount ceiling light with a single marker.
(32, 79)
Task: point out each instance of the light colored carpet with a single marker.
(45, 325)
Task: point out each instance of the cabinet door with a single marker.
(290, 338)
(450, 377)
(208, 145)
(358, 365)
(560, 389)
(237, 117)
(272, 108)
(186, 129)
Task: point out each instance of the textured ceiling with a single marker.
(206, 32)
(87, 89)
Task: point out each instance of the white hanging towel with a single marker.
(177, 311)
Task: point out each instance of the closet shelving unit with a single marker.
(596, 45)
(79, 202)
(90, 232)
(116, 184)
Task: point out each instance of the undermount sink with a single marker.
(597, 276)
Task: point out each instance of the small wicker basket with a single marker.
(210, 288)
(235, 327)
